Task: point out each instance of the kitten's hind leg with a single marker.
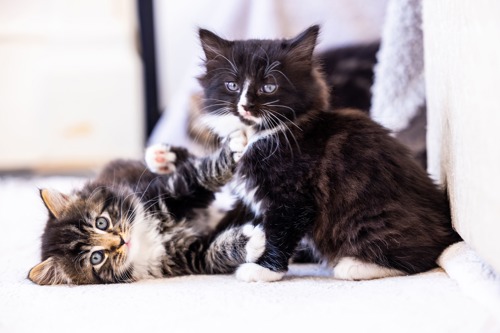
(349, 268)
(234, 247)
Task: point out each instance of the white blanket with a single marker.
(399, 85)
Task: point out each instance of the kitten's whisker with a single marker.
(269, 103)
(282, 74)
(140, 177)
(284, 106)
(123, 201)
(222, 70)
(271, 68)
(144, 193)
(215, 105)
(216, 100)
(220, 111)
(284, 126)
(218, 54)
(270, 124)
(282, 115)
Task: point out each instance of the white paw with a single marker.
(251, 272)
(237, 143)
(160, 159)
(349, 268)
(256, 242)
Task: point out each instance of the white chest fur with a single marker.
(246, 193)
(147, 247)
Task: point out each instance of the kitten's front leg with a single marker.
(215, 171)
(237, 144)
(284, 228)
(211, 172)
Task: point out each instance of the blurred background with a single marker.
(70, 84)
(86, 81)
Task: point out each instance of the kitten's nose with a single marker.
(248, 107)
(122, 242)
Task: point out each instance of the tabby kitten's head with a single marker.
(263, 84)
(87, 238)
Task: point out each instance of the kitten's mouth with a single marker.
(247, 118)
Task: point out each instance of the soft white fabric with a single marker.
(306, 300)
(475, 277)
(399, 86)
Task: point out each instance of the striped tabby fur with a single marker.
(130, 224)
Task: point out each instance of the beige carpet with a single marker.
(307, 300)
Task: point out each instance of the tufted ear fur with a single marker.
(48, 272)
(55, 201)
(302, 46)
(212, 44)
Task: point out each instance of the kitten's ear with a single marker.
(212, 44)
(54, 201)
(48, 272)
(303, 45)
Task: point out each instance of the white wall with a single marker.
(70, 83)
(462, 59)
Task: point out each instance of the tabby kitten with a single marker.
(331, 178)
(130, 224)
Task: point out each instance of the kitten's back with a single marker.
(382, 206)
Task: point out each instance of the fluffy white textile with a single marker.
(399, 85)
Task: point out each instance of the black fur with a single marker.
(332, 177)
(349, 73)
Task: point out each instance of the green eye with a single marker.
(97, 257)
(102, 223)
(232, 86)
(269, 88)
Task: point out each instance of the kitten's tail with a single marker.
(475, 277)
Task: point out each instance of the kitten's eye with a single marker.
(269, 88)
(97, 257)
(102, 223)
(232, 86)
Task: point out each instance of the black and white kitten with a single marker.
(130, 224)
(332, 178)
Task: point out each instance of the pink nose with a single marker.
(248, 106)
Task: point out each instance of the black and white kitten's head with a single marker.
(92, 236)
(263, 84)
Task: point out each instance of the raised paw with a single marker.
(251, 272)
(256, 242)
(237, 143)
(160, 159)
